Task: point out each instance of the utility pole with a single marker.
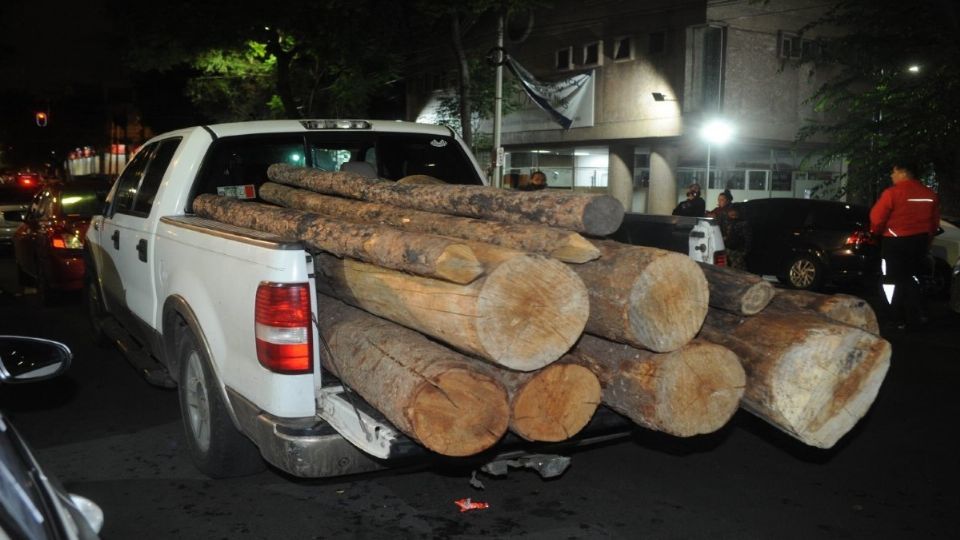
(497, 180)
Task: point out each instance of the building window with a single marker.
(791, 46)
(565, 59)
(591, 54)
(757, 180)
(622, 49)
(782, 181)
(735, 180)
(704, 67)
(641, 171)
(657, 42)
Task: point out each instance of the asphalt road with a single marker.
(110, 436)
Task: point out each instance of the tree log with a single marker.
(842, 308)
(560, 244)
(421, 254)
(737, 291)
(690, 391)
(809, 376)
(646, 297)
(551, 404)
(430, 393)
(523, 314)
(591, 214)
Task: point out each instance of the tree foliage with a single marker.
(896, 92)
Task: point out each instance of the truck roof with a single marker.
(305, 125)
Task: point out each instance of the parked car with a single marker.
(33, 504)
(48, 245)
(14, 201)
(807, 243)
(944, 254)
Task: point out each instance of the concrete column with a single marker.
(662, 195)
(620, 174)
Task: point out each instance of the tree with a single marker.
(896, 94)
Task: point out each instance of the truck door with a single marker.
(127, 236)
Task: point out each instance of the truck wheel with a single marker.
(804, 272)
(95, 311)
(217, 448)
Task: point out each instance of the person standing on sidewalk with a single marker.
(907, 215)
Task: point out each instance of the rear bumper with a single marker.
(65, 272)
(311, 448)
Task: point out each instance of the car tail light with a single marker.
(282, 317)
(859, 238)
(66, 240)
(720, 258)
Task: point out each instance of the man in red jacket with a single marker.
(907, 214)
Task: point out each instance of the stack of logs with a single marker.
(462, 311)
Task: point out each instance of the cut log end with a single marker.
(603, 216)
(707, 382)
(535, 309)
(668, 303)
(458, 264)
(460, 414)
(576, 249)
(555, 404)
(756, 298)
(829, 400)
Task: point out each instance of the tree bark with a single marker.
(560, 244)
(842, 308)
(597, 215)
(737, 291)
(430, 393)
(693, 390)
(523, 314)
(806, 375)
(646, 297)
(551, 404)
(421, 254)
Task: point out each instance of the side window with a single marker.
(47, 205)
(129, 181)
(34, 211)
(154, 175)
(233, 164)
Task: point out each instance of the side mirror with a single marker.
(27, 359)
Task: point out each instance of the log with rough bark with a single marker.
(690, 391)
(430, 393)
(737, 291)
(591, 214)
(551, 404)
(643, 296)
(560, 244)
(421, 254)
(808, 376)
(843, 308)
(523, 314)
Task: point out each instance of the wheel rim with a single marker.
(803, 273)
(198, 408)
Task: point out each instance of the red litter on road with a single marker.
(468, 504)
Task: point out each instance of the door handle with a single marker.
(142, 250)
(116, 239)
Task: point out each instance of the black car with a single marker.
(808, 243)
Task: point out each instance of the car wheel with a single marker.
(95, 311)
(217, 448)
(804, 272)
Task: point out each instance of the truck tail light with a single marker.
(720, 258)
(282, 317)
(66, 240)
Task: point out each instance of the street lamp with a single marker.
(717, 132)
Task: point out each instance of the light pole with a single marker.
(717, 132)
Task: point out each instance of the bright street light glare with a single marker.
(914, 68)
(717, 132)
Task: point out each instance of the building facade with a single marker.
(662, 70)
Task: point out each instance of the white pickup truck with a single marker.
(226, 314)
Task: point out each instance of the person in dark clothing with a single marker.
(907, 214)
(720, 212)
(694, 206)
(538, 180)
(736, 238)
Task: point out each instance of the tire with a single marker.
(93, 301)
(216, 447)
(804, 273)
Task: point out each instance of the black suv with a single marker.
(807, 243)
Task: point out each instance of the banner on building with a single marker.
(560, 99)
